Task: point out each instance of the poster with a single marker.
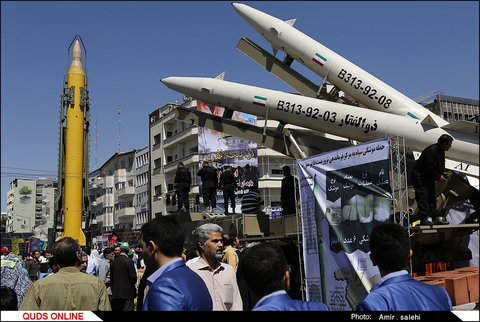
(343, 195)
(221, 149)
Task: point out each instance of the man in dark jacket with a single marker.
(228, 185)
(288, 191)
(209, 186)
(397, 290)
(123, 278)
(430, 167)
(33, 266)
(172, 285)
(182, 182)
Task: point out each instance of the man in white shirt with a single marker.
(103, 271)
(219, 277)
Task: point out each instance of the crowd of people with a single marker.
(215, 275)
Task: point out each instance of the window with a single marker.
(157, 163)
(156, 139)
(158, 191)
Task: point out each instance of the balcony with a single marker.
(126, 192)
(184, 136)
(187, 160)
(125, 214)
(99, 219)
(99, 201)
(120, 175)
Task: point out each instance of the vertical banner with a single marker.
(112, 241)
(15, 246)
(221, 149)
(343, 194)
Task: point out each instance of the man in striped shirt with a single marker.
(252, 201)
(251, 204)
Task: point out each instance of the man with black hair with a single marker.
(430, 167)
(209, 186)
(172, 286)
(103, 270)
(182, 182)
(264, 269)
(228, 184)
(8, 299)
(288, 192)
(68, 289)
(33, 265)
(252, 203)
(397, 290)
(230, 255)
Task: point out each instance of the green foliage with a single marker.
(25, 190)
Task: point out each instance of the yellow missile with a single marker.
(74, 150)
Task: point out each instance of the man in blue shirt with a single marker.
(173, 286)
(265, 271)
(397, 290)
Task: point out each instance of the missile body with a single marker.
(351, 122)
(74, 151)
(348, 77)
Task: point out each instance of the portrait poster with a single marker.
(343, 194)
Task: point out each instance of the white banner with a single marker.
(343, 194)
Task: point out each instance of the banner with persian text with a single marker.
(343, 194)
(221, 149)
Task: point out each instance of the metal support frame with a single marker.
(398, 179)
(398, 171)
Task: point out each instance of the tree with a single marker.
(25, 191)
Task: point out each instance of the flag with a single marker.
(258, 100)
(319, 59)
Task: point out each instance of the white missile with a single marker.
(347, 121)
(348, 77)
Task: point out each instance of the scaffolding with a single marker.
(398, 175)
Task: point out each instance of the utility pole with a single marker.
(119, 121)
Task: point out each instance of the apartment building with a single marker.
(30, 206)
(112, 193)
(142, 188)
(452, 108)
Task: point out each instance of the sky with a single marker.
(415, 47)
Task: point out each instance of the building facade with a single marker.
(30, 206)
(112, 193)
(142, 188)
(452, 108)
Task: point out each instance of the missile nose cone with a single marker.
(259, 20)
(169, 81)
(182, 84)
(241, 9)
(77, 54)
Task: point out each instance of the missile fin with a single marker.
(462, 126)
(274, 48)
(428, 120)
(221, 76)
(291, 21)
